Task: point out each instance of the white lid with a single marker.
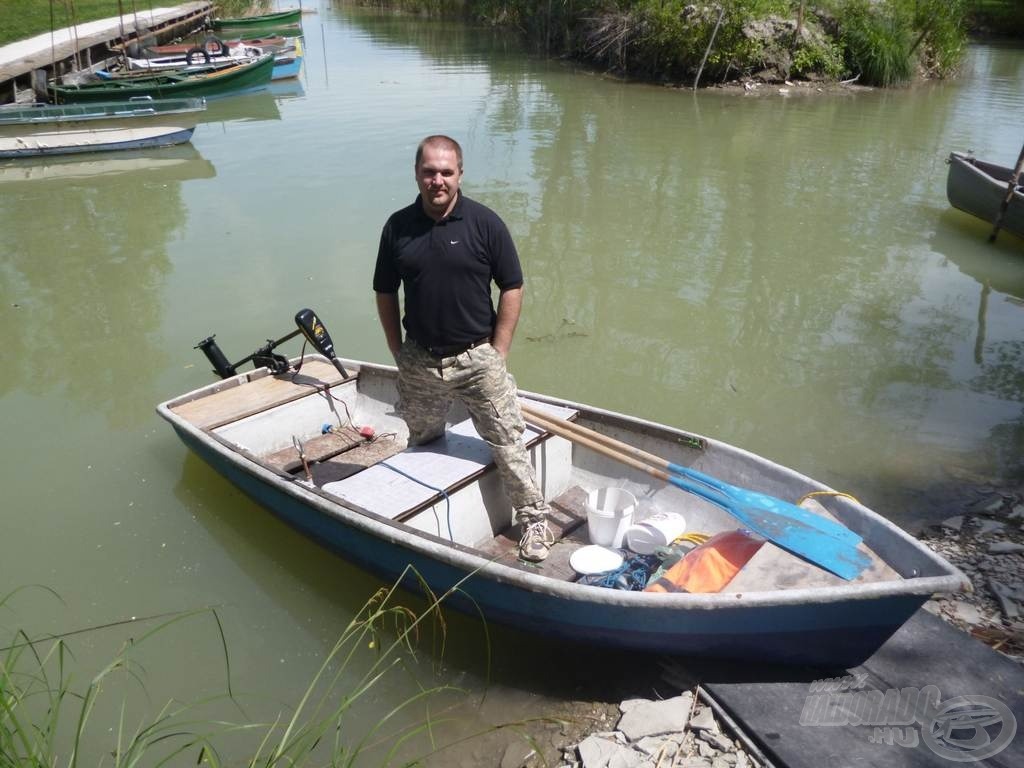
(594, 559)
(644, 539)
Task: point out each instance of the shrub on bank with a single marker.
(879, 42)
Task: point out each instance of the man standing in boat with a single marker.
(444, 250)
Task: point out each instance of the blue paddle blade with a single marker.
(767, 503)
(792, 534)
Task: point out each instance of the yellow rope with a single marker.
(695, 538)
(812, 494)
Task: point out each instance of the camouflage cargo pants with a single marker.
(479, 379)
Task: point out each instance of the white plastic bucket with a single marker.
(657, 530)
(609, 514)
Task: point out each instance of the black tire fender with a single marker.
(197, 51)
(215, 46)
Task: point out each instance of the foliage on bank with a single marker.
(879, 42)
(28, 18)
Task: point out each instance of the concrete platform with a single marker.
(799, 721)
(89, 43)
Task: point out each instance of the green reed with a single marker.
(48, 719)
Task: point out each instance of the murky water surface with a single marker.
(782, 272)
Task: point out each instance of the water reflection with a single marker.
(176, 163)
(84, 263)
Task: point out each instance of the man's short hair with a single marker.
(441, 141)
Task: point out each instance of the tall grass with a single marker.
(891, 41)
(27, 18)
(48, 720)
(877, 42)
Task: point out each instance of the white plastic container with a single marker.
(609, 515)
(657, 530)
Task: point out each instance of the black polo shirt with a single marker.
(446, 268)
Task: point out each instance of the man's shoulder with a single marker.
(406, 213)
(472, 209)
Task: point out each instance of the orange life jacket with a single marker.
(709, 567)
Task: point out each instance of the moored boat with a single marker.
(288, 63)
(219, 82)
(93, 139)
(267, 20)
(295, 441)
(215, 46)
(979, 188)
(135, 109)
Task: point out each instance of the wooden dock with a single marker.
(27, 64)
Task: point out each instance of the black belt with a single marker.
(455, 349)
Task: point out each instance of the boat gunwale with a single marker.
(470, 560)
(99, 111)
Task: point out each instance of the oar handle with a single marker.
(564, 429)
(625, 449)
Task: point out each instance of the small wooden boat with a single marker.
(292, 442)
(44, 129)
(193, 60)
(93, 139)
(215, 46)
(287, 61)
(979, 188)
(219, 82)
(135, 109)
(267, 20)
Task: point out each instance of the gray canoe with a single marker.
(439, 509)
(978, 188)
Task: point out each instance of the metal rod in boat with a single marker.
(219, 360)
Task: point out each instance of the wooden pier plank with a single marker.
(20, 59)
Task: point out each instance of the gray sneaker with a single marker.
(536, 541)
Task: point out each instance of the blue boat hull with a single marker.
(835, 633)
(163, 140)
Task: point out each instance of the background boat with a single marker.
(254, 74)
(93, 139)
(134, 109)
(979, 188)
(268, 20)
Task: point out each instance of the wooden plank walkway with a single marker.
(55, 52)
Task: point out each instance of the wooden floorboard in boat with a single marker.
(565, 522)
(251, 398)
(315, 449)
(355, 460)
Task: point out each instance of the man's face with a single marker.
(438, 178)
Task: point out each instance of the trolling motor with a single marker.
(318, 336)
(308, 325)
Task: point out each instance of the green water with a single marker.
(781, 271)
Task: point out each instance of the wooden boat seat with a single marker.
(258, 395)
(418, 477)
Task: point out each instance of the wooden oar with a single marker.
(742, 496)
(835, 554)
(1010, 187)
